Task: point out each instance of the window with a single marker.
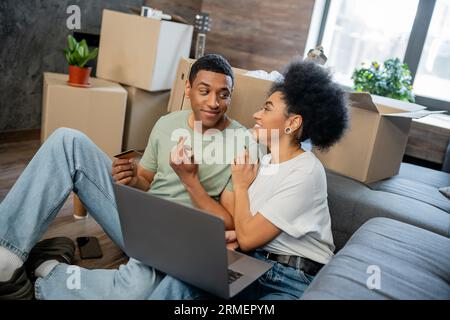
(417, 31)
(359, 31)
(433, 75)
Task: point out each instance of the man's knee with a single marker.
(65, 136)
(137, 279)
(64, 132)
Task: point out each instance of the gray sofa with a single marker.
(352, 203)
(386, 259)
(406, 234)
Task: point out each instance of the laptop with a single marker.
(184, 242)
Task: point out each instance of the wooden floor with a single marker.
(13, 159)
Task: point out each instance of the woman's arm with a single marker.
(252, 231)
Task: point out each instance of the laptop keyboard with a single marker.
(233, 276)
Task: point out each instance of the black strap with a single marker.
(306, 265)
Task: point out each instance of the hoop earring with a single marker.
(287, 130)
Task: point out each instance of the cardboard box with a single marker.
(248, 96)
(373, 147)
(141, 52)
(143, 110)
(98, 111)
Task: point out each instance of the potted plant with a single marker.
(77, 55)
(392, 80)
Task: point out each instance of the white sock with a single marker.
(9, 263)
(45, 267)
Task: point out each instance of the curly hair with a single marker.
(211, 62)
(308, 90)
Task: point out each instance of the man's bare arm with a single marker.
(201, 199)
(125, 171)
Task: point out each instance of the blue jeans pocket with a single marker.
(307, 279)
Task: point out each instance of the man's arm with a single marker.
(201, 199)
(187, 170)
(227, 201)
(127, 172)
(145, 178)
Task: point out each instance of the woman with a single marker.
(281, 211)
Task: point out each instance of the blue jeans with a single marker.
(279, 283)
(68, 161)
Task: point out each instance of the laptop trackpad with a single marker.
(233, 257)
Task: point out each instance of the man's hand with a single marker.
(124, 172)
(231, 240)
(243, 172)
(182, 162)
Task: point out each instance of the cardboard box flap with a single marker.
(396, 104)
(238, 71)
(388, 106)
(413, 115)
(362, 100)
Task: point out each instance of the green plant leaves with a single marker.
(72, 43)
(83, 45)
(78, 54)
(93, 54)
(393, 80)
(68, 56)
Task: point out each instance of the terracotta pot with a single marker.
(79, 76)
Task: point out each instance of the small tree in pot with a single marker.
(77, 55)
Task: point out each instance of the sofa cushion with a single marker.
(418, 183)
(352, 203)
(413, 263)
(414, 190)
(427, 176)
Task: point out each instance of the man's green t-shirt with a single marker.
(212, 151)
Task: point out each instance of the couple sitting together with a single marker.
(267, 213)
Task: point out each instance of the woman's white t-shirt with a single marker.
(293, 196)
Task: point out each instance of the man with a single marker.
(69, 161)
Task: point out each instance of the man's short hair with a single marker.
(214, 63)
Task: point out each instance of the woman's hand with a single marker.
(231, 240)
(243, 172)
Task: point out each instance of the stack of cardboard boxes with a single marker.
(136, 67)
